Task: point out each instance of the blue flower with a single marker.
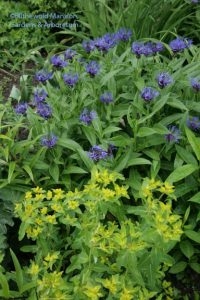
(164, 79)
(92, 68)
(146, 49)
(195, 83)
(173, 135)
(193, 123)
(70, 79)
(179, 44)
(107, 97)
(89, 46)
(40, 95)
(49, 141)
(148, 93)
(44, 110)
(21, 108)
(96, 153)
(87, 116)
(123, 34)
(43, 76)
(57, 61)
(106, 42)
(69, 54)
(195, 1)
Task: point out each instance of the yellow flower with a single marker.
(73, 204)
(28, 196)
(51, 219)
(38, 221)
(34, 269)
(36, 232)
(39, 197)
(107, 193)
(49, 195)
(147, 192)
(18, 207)
(167, 188)
(51, 258)
(59, 194)
(28, 210)
(126, 295)
(121, 191)
(93, 292)
(154, 184)
(38, 190)
(57, 207)
(43, 210)
(111, 284)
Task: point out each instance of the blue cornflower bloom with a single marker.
(148, 93)
(69, 54)
(195, 1)
(88, 46)
(193, 123)
(146, 49)
(57, 61)
(87, 116)
(40, 95)
(195, 83)
(21, 108)
(179, 44)
(107, 97)
(111, 148)
(96, 153)
(44, 110)
(173, 135)
(70, 79)
(49, 140)
(123, 34)
(43, 76)
(92, 68)
(105, 42)
(164, 79)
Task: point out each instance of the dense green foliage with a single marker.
(121, 119)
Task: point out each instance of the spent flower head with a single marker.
(106, 97)
(164, 79)
(87, 116)
(148, 94)
(173, 135)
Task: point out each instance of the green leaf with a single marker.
(193, 235)
(11, 169)
(181, 172)
(15, 93)
(54, 172)
(186, 155)
(178, 267)
(87, 161)
(74, 170)
(195, 266)
(195, 198)
(5, 286)
(68, 143)
(90, 135)
(18, 269)
(111, 129)
(122, 163)
(29, 172)
(187, 248)
(145, 131)
(138, 161)
(194, 142)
